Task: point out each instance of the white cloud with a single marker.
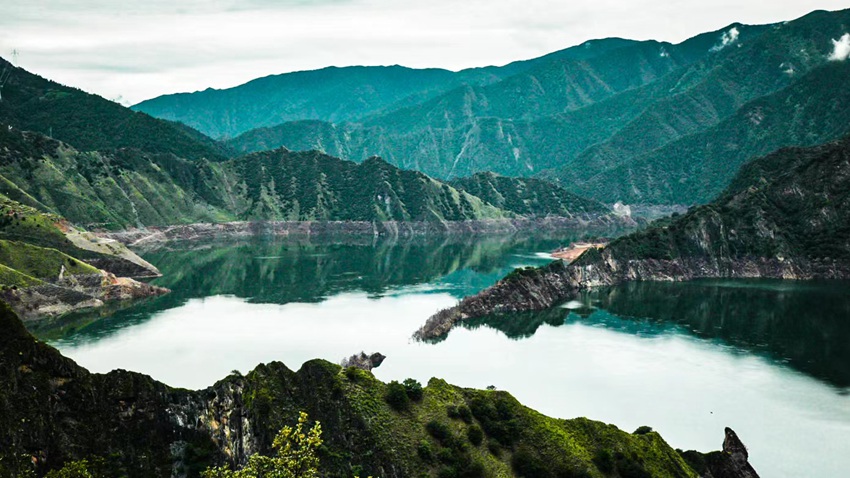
(138, 50)
(841, 48)
(727, 38)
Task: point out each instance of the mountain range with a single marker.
(611, 119)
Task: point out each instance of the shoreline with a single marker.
(388, 229)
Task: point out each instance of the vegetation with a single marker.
(89, 122)
(296, 456)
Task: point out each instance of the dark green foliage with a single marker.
(397, 396)
(497, 418)
(604, 460)
(413, 389)
(440, 431)
(643, 430)
(425, 452)
(475, 435)
(89, 122)
(459, 412)
(527, 197)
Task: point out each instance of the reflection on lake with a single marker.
(768, 358)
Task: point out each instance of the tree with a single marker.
(296, 456)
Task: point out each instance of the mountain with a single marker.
(528, 197)
(785, 215)
(54, 412)
(337, 94)
(697, 167)
(624, 114)
(89, 122)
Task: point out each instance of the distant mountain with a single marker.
(785, 215)
(612, 126)
(89, 122)
(337, 94)
(697, 167)
(528, 197)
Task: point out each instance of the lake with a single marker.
(771, 359)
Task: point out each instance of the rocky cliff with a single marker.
(786, 215)
(52, 411)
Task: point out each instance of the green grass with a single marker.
(40, 262)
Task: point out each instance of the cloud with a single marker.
(841, 48)
(727, 39)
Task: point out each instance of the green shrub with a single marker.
(604, 460)
(413, 389)
(439, 430)
(425, 452)
(643, 430)
(475, 435)
(397, 396)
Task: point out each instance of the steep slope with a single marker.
(89, 122)
(696, 168)
(129, 188)
(313, 186)
(336, 94)
(112, 190)
(712, 91)
(528, 197)
(52, 411)
(786, 215)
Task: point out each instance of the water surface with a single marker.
(771, 359)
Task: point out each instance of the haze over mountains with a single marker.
(614, 119)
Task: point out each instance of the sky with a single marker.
(132, 51)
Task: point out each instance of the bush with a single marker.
(397, 396)
(643, 430)
(604, 460)
(425, 452)
(439, 430)
(461, 412)
(528, 465)
(475, 435)
(413, 389)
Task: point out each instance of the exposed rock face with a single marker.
(363, 361)
(74, 293)
(137, 237)
(731, 462)
(781, 218)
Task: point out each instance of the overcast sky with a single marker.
(130, 52)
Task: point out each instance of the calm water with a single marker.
(771, 359)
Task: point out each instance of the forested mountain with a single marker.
(89, 122)
(132, 188)
(621, 118)
(354, 93)
(697, 167)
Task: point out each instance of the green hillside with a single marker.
(528, 197)
(696, 168)
(89, 122)
(624, 124)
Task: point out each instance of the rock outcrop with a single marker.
(786, 216)
(363, 361)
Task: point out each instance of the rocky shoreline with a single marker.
(200, 231)
(541, 288)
